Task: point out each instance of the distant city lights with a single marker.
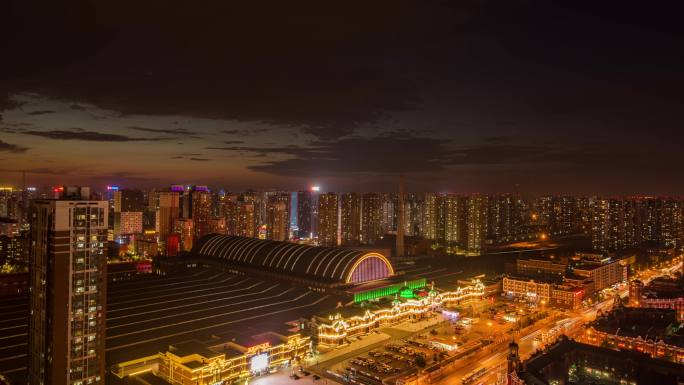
(315, 188)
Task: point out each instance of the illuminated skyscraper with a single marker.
(185, 228)
(229, 211)
(328, 212)
(564, 218)
(600, 225)
(277, 217)
(453, 212)
(401, 217)
(68, 291)
(431, 216)
(9, 203)
(304, 213)
(505, 218)
(350, 219)
(371, 226)
(388, 213)
(477, 224)
(201, 212)
(246, 219)
(129, 201)
(167, 213)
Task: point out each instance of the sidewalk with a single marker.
(420, 325)
(282, 377)
(370, 339)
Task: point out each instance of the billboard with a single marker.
(258, 363)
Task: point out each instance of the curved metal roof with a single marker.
(319, 263)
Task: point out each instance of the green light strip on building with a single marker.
(388, 290)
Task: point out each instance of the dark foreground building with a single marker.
(68, 291)
(568, 362)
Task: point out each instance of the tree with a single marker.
(420, 361)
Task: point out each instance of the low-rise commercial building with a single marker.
(651, 331)
(662, 293)
(545, 291)
(197, 363)
(604, 274)
(335, 329)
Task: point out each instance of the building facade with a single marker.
(68, 292)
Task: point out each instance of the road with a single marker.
(496, 359)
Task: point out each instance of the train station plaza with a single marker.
(243, 307)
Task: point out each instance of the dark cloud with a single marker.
(123, 177)
(200, 159)
(92, 136)
(377, 155)
(404, 152)
(177, 157)
(330, 82)
(77, 107)
(13, 148)
(245, 132)
(481, 74)
(171, 131)
(499, 139)
(233, 142)
(41, 112)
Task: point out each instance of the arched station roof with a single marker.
(318, 263)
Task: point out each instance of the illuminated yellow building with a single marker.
(194, 363)
(336, 328)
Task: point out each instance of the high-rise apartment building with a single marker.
(328, 212)
(129, 201)
(388, 213)
(453, 212)
(277, 218)
(185, 228)
(371, 224)
(504, 218)
(68, 291)
(127, 223)
(350, 219)
(431, 216)
(304, 213)
(167, 214)
(476, 223)
(201, 212)
(246, 219)
(564, 218)
(9, 203)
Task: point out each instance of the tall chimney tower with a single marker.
(400, 219)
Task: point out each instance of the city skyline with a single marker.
(529, 97)
(393, 192)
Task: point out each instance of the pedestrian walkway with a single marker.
(370, 339)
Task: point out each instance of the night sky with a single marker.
(513, 96)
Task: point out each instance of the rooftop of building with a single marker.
(664, 288)
(545, 278)
(147, 314)
(634, 366)
(314, 263)
(653, 324)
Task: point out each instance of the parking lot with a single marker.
(388, 362)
